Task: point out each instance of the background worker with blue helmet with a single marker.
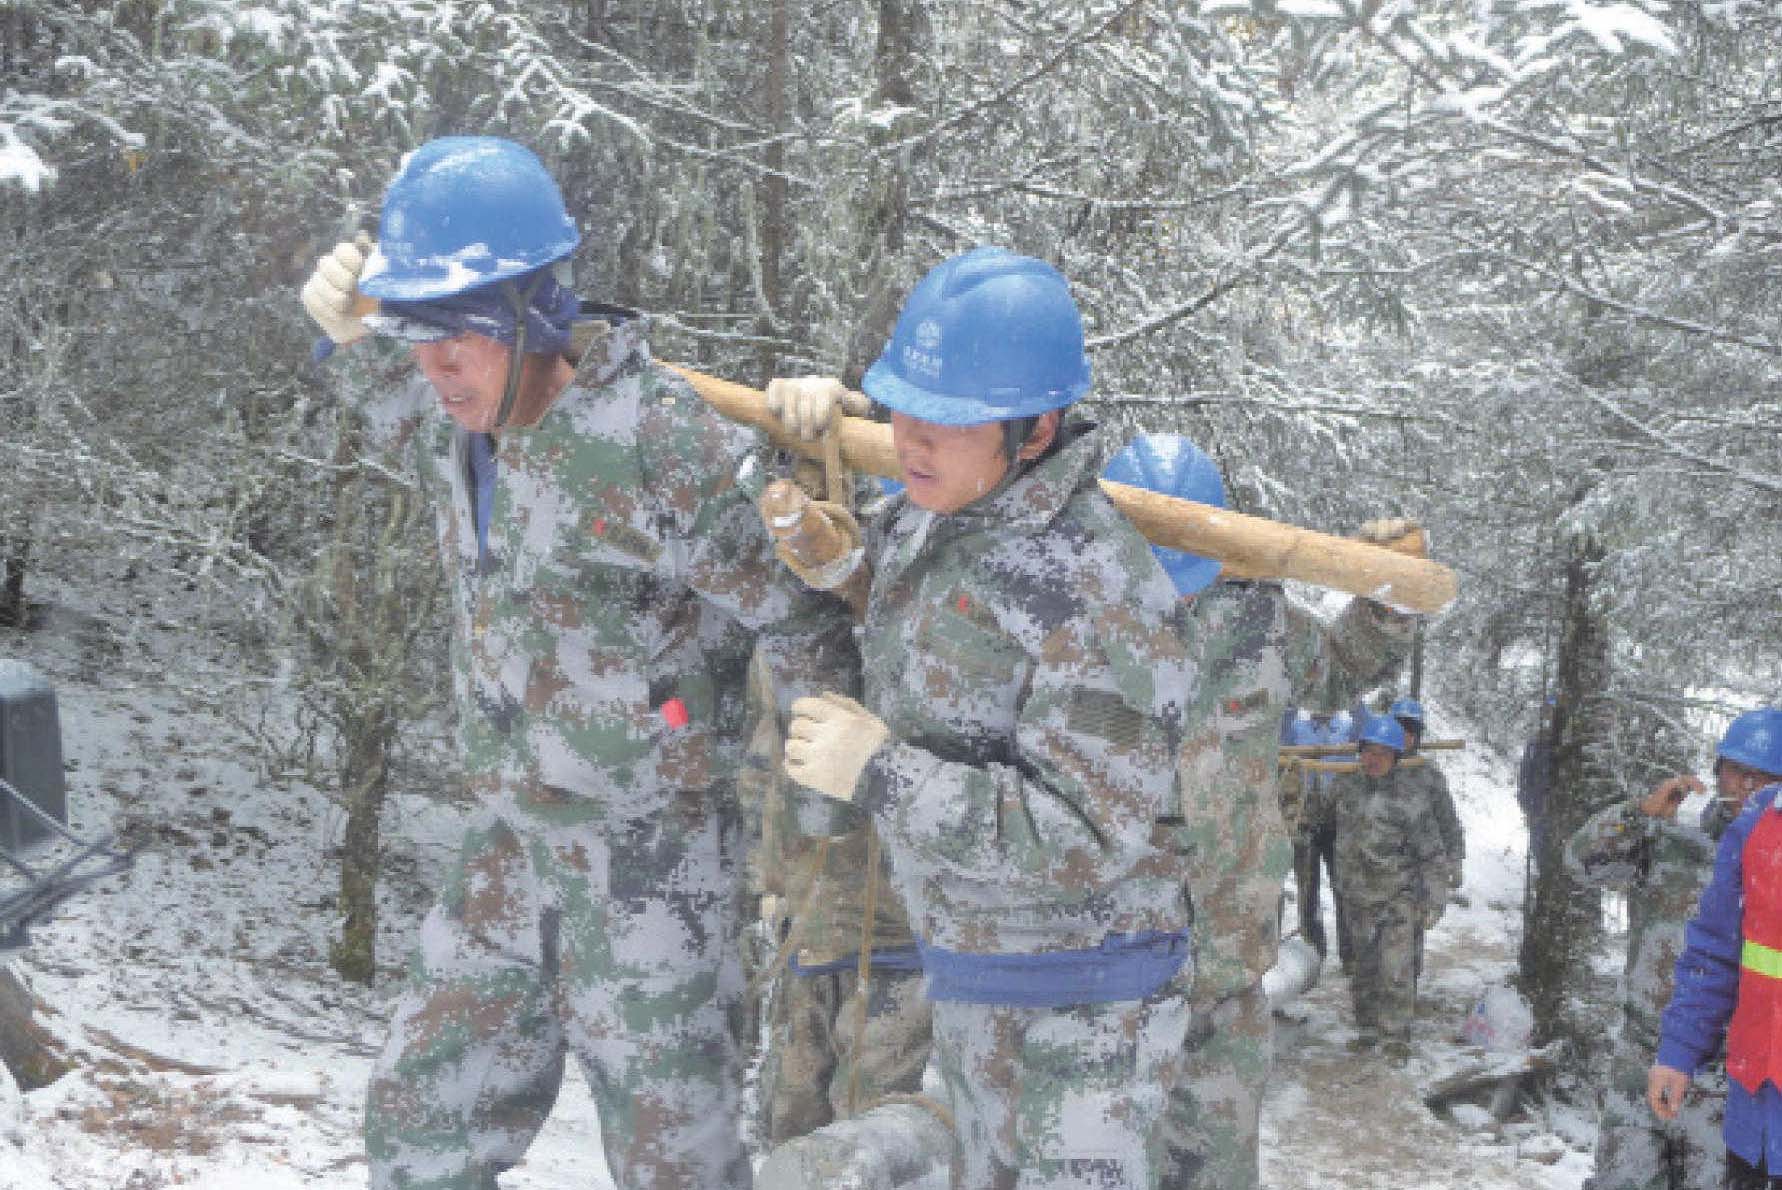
(1016, 743)
(1389, 865)
(1409, 713)
(1255, 650)
(1657, 849)
(1315, 852)
(609, 577)
(1728, 981)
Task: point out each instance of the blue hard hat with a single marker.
(1301, 730)
(985, 336)
(1407, 708)
(1754, 740)
(1174, 466)
(463, 212)
(1340, 729)
(1385, 730)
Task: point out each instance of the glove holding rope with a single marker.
(829, 742)
(806, 405)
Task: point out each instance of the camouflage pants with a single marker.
(1636, 1151)
(1312, 856)
(561, 931)
(811, 1061)
(1061, 1097)
(1212, 1125)
(1383, 971)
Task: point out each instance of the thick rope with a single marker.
(863, 985)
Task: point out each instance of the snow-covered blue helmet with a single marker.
(1407, 708)
(1383, 730)
(986, 336)
(463, 212)
(1754, 740)
(1174, 466)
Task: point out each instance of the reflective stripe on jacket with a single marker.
(1753, 1043)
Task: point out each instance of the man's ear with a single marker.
(1039, 439)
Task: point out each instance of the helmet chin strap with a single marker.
(516, 360)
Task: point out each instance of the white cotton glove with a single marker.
(806, 405)
(1388, 532)
(332, 291)
(829, 741)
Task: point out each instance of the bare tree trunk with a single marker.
(1562, 919)
(15, 553)
(365, 784)
(904, 36)
(26, 1047)
(370, 597)
(773, 185)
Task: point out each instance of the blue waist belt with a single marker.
(891, 958)
(1123, 967)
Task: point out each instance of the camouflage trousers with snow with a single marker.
(1049, 1098)
(1212, 1126)
(564, 929)
(1387, 938)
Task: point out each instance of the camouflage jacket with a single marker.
(1388, 842)
(1256, 651)
(626, 567)
(1662, 868)
(1024, 655)
(1447, 818)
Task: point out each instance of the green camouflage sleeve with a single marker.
(708, 471)
(1239, 849)
(1093, 768)
(1331, 665)
(1613, 849)
(1453, 836)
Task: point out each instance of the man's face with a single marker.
(1376, 760)
(947, 467)
(469, 375)
(1735, 782)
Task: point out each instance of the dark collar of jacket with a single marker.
(1032, 497)
(604, 341)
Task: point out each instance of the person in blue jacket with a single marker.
(1728, 982)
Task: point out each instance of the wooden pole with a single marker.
(1351, 746)
(1351, 766)
(1248, 546)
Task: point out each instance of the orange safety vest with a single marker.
(1754, 1039)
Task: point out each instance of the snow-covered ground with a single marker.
(216, 1050)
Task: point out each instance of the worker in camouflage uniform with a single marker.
(1658, 850)
(1394, 877)
(610, 578)
(1315, 853)
(1409, 713)
(1017, 742)
(1254, 651)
